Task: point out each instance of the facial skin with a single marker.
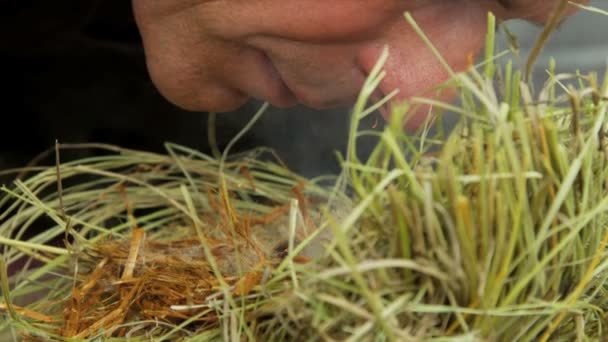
(213, 55)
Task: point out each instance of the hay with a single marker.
(147, 236)
(496, 231)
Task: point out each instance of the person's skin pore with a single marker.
(213, 55)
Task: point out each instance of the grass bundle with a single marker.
(150, 239)
(493, 231)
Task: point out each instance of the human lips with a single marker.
(275, 90)
(317, 75)
(320, 95)
(325, 75)
(253, 73)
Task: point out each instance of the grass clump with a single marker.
(159, 245)
(494, 231)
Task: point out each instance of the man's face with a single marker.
(213, 55)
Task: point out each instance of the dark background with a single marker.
(74, 70)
